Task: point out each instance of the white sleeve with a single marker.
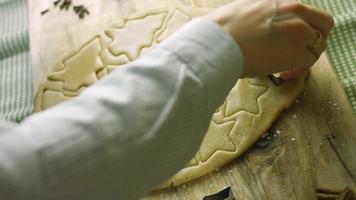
(130, 131)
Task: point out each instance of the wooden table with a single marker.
(313, 144)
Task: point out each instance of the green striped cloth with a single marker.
(342, 45)
(15, 70)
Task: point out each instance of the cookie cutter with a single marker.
(275, 79)
(224, 194)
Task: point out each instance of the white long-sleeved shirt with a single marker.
(130, 131)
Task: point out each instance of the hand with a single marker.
(275, 36)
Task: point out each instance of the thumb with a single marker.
(293, 73)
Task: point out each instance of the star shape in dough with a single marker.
(80, 69)
(244, 97)
(217, 139)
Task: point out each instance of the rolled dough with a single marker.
(248, 111)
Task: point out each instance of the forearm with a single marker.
(132, 130)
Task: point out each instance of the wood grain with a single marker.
(310, 146)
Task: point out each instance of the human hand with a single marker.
(275, 35)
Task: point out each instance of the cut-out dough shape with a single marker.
(53, 97)
(131, 44)
(177, 20)
(80, 69)
(248, 103)
(248, 111)
(215, 131)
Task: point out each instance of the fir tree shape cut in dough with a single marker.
(177, 20)
(135, 35)
(111, 49)
(79, 70)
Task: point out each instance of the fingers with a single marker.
(308, 27)
(314, 40)
(301, 44)
(306, 61)
(317, 18)
(319, 24)
(308, 58)
(293, 73)
(317, 47)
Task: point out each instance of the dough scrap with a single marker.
(249, 110)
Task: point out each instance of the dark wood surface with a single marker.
(311, 145)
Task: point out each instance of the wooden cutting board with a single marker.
(313, 144)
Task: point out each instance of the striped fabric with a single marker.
(342, 45)
(15, 70)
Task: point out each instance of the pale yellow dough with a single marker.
(249, 110)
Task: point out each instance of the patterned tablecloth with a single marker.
(342, 44)
(16, 101)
